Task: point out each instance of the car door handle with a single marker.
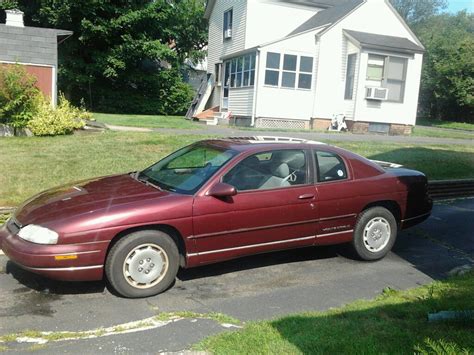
(306, 196)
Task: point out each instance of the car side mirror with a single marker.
(222, 190)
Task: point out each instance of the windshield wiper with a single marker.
(145, 179)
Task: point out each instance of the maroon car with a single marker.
(211, 201)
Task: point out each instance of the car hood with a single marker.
(110, 195)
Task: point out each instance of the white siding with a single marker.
(217, 46)
(269, 20)
(374, 16)
(349, 105)
(274, 102)
(241, 101)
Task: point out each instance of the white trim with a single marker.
(23, 63)
(252, 246)
(54, 88)
(329, 234)
(63, 268)
(255, 86)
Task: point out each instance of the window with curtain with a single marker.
(391, 72)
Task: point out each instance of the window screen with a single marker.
(396, 77)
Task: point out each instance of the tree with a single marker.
(447, 85)
(124, 55)
(416, 11)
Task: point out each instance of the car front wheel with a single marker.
(375, 233)
(142, 264)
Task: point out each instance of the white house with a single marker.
(298, 63)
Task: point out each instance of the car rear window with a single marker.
(330, 167)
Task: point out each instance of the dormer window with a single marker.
(228, 19)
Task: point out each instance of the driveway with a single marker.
(225, 131)
(252, 288)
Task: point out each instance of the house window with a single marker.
(350, 76)
(242, 71)
(396, 78)
(306, 73)
(272, 73)
(391, 72)
(375, 67)
(228, 20)
(295, 71)
(218, 70)
(288, 79)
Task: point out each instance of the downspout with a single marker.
(317, 60)
(255, 87)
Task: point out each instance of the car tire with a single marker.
(142, 264)
(374, 234)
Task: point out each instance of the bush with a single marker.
(50, 121)
(160, 93)
(18, 95)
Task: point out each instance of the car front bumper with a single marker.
(67, 262)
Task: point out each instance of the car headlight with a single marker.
(37, 234)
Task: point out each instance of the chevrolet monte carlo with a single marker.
(212, 201)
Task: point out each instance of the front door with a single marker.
(274, 208)
(225, 86)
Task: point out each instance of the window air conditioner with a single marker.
(228, 33)
(376, 93)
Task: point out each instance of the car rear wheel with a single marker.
(142, 264)
(375, 233)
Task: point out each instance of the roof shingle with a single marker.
(329, 16)
(371, 40)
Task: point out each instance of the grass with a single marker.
(38, 163)
(393, 323)
(4, 217)
(146, 121)
(445, 124)
(218, 317)
(420, 131)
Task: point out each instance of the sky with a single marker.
(458, 5)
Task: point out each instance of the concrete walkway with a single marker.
(345, 137)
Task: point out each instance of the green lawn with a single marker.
(34, 164)
(146, 121)
(393, 323)
(420, 131)
(445, 124)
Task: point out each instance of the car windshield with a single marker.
(187, 169)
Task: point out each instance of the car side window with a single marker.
(330, 167)
(269, 170)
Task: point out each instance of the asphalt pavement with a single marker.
(251, 288)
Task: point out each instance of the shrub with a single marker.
(18, 95)
(50, 121)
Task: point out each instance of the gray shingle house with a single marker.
(35, 48)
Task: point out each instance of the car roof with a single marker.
(247, 143)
